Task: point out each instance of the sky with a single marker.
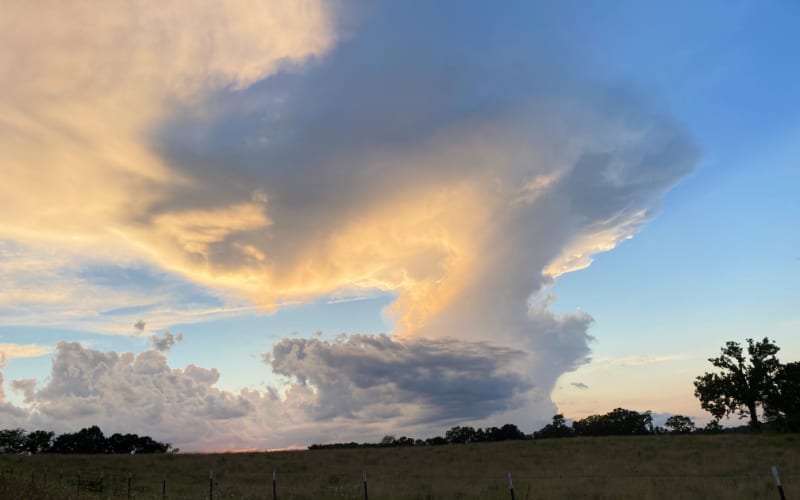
(260, 225)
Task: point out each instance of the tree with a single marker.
(460, 435)
(12, 441)
(783, 404)
(744, 383)
(557, 429)
(39, 441)
(618, 422)
(678, 424)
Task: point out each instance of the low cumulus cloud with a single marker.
(463, 177)
(131, 393)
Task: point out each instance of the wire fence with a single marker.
(22, 484)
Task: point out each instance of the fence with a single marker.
(18, 484)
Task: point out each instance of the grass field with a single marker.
(720, 466)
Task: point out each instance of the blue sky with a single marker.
(415, 170)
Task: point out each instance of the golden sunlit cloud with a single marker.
(11, 351)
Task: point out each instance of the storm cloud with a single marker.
(445, 153)
(368, 377)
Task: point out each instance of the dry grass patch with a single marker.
(723, 466)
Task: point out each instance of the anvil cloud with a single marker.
(277, 153)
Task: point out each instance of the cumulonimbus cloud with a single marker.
(464, 183)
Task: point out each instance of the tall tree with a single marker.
(745, 382)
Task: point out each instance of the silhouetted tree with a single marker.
(39, 441)
(12, 441)
(557, 429)
(620, 422)
(387, 440)
(678, 424)
(782, 405)
(746, 381)
(460, 435)
(435, 441)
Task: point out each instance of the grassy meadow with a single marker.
(674, 467)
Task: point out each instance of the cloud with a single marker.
(165, 342)
(78, 102)
(370, 377)
(139, 326)
(11, 351)
(261, 160)
(381, 383)
(132, 393)
(26, 387)
(579, 385)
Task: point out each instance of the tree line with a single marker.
(455, 435)
(89, 440)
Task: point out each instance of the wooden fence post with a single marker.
(511, 486)
(366, 494)
(778, 481)
(274, 487)
(79, 484)
(129, 484)
(211, 485)
(164, 489)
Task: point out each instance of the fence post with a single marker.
(129, 484)
(101, 482)
(45, 478)
(366, 494)
(79, 484)
(778, 481)
(211, 484)
(274, 487)
(164, 489)
(511, 486)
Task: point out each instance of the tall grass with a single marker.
(724, 466)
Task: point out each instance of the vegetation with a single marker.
(87, 440)
(456, 435)
(657, 466)
(749, 381)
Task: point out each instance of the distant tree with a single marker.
(460, 435)
(387, 440)
(678, 424)
(404, 441)
(39, 441)
(65, 443)
(746, 381)
(436, 441)
(618, 422)
(557, 429)
(91, 440)
(782, 406)
(510, 432)
(121, 443)
(12, 441)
